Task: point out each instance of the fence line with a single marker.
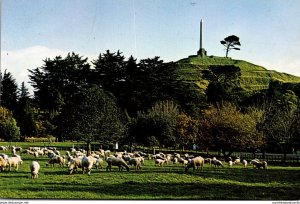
(290, 158)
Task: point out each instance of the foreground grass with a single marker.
(169, 182)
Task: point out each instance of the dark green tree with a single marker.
(92, 115)
(224, 84)
(109, 71)
(230, 43)
(279, 122)
(9, 91)
(25, 114)
(58, 80)
(137, 86)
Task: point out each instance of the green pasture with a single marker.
(168, 182)
(253, 77)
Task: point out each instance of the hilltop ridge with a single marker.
(253, 77)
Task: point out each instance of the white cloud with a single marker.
(290, 66)
(18, 62)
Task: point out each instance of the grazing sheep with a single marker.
(208, 160)
(259, 165)
(175, 160)
(13, 162)
(78, 154)
(17, 149)
(126, 157)
(3, 163)
(195, 163)
(34, 169)
(253, 161)
(112, 161)
(74, 164)
(244, 162)
(51, 154)
(182, 161)
(73, 150)
(159, 156)
(160, 162)
(237, 160)
(136, 162)
(141, 159)
(20, 160)
(216, 162)
(99, 163)
(87, 164)
(56, 160)
(3, 148)
(177, 155)
(230, 163)
(4, 156)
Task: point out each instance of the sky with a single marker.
(33, 30)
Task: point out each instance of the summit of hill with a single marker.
(253, 77)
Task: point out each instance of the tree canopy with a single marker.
(230, 43)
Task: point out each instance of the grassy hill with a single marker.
(253, 77)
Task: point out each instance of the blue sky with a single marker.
(32, 30)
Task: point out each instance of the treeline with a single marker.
(114, 99)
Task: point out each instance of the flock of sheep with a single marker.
(77, 159)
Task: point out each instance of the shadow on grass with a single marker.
(189, 191)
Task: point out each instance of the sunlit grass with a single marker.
(168, 182)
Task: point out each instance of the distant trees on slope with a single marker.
(144, 102)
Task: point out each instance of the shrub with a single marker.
(9, 131)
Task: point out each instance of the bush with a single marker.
(9, 131)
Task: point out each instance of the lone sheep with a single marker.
(87, 164)
(195, 163)
(34, 169)
(259, 165)
(112, 161)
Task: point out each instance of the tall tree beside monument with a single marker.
(230, 43)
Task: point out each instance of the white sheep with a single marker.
(258, 165)
(136, 163)
(244, 162)
(34, 169)
(112, 161)
(74, 164)
(215, 162)
(99, 163)
(20, 160)
(195, 163)
(3, 163)
(3, 148)
(87, 164)
(4, 156)
(182, 161)
(160, 162)
(237, 160)
(230, 163)
(13, 162)
(17, 149)
(254, 161)
(56, 160)
(208, 160)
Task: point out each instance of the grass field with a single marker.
(168, 182)
(253, 77)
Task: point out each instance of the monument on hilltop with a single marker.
(201, 52)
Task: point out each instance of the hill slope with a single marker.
(253, 77)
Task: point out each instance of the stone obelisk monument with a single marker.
(202, 51)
